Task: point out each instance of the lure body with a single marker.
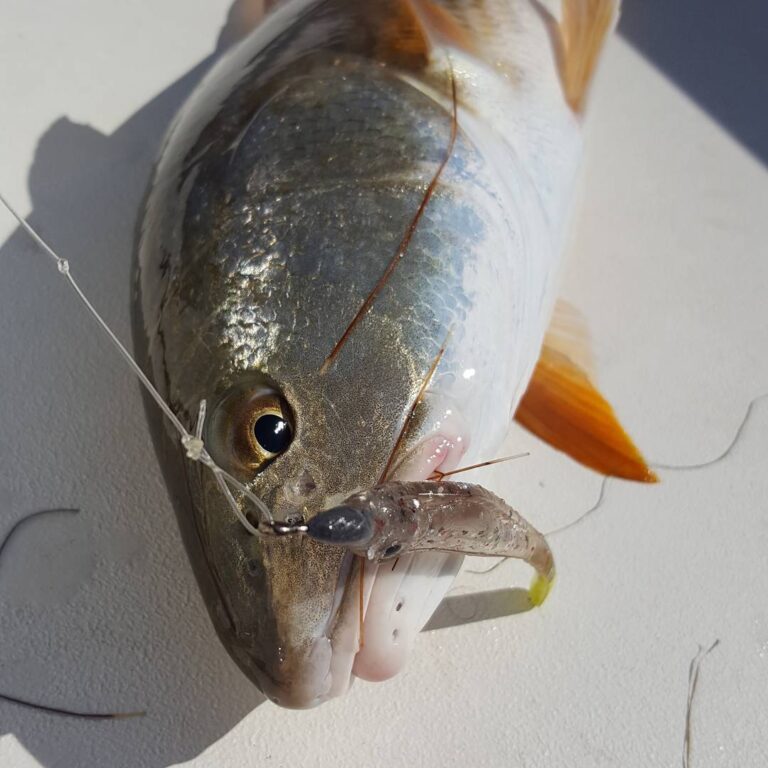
(398, 518)
(285, 186)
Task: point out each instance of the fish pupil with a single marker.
(272, 432)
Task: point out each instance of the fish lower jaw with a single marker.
(306, 685)
(400, 598)
(312, 689)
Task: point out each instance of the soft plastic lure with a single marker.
(401, 517)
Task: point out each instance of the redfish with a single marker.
(349, 252)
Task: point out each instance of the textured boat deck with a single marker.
(668, 261)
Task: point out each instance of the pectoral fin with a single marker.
(584, 27)
(564, 408)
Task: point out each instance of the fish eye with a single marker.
(250, 427)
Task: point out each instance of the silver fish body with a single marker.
(284, 187)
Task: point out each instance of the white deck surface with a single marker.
(101, 611)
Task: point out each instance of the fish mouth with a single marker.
(306, 687)
(305, 675)
(309, 644)
(398, 598)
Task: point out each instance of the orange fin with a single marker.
(568, 333)
(584, 28)
(401, 38)
(407, 30)
(562, 407)
(444, 25)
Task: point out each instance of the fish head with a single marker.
(301, 439)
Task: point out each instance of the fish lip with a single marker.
(303, 677)
(289, 704)
(291, 692)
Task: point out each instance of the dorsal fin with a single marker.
(564, 408)
(406, 31)
(444, 26)
(401, 38)
(584, 29)
(579, 36)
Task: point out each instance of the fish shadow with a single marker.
(100, 612)
(457, 610)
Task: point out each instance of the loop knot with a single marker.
(193, 446)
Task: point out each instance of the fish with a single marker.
(348, 255)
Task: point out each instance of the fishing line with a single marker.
(438, 475)
(31, 516)
(693, 680)
(45, 707)
(70, 712)
(669, 467)
(193, 444)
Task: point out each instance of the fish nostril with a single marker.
(300, 487)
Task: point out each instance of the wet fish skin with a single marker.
(283, 189)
